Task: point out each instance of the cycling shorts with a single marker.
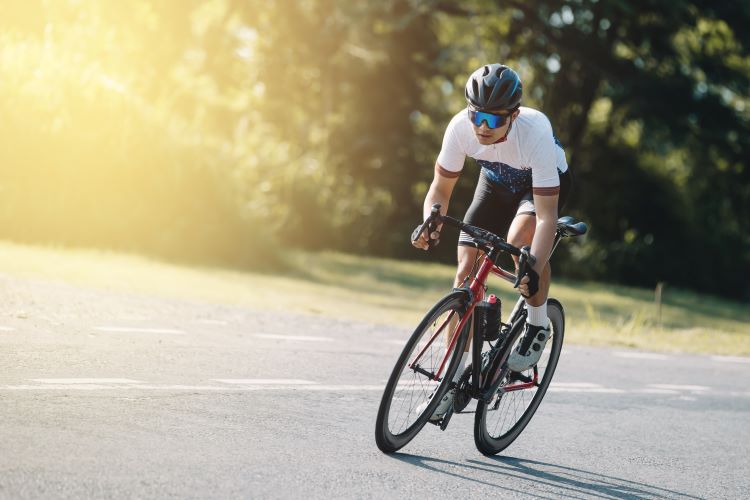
(494, 207)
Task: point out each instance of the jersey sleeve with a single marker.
(543, 159)
(452, 154)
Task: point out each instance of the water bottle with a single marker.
(487, 318)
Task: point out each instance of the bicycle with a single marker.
(425, 370)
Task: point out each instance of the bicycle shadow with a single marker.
(566, 481)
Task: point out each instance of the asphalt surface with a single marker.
(109, 395)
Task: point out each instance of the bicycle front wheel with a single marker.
(498, 423)
(413, 390)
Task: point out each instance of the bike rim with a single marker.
(412, 395)
(505, 412)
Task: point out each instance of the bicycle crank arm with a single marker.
(446, 419)
(498, 366)
(519, 377)
(487, 395)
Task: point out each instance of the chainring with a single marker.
(463, 385)
(462, 397)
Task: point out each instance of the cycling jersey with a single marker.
(531, 156)
(494, 207)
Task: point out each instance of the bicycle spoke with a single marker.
(414, 388)
(507, 408)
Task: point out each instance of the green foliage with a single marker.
(89, 160)
(649, 100)
(218, 130)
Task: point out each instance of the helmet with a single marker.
(494, 86)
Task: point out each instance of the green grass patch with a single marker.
(397, 292)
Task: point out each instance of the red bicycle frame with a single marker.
(566, 226)
(477, 289)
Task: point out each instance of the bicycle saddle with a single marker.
(569, 226)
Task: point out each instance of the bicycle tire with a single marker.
(488, 439)
(391, 439)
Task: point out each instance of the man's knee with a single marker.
(464, 268)
(521, 231)
(519, 239)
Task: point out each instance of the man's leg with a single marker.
(536, 331)
(520, 234)
(467, 256)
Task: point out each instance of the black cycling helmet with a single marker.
(493, 87)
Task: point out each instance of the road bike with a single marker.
(427, 366)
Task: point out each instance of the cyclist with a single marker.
(523, 181)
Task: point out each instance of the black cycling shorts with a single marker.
(494, 207)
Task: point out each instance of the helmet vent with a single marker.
(494, 87)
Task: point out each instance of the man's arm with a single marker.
(440, 192)
(545, 203)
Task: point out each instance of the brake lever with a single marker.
(417, 232)
(521, 269)
(431, 225)
(432, 229)
(524, 260)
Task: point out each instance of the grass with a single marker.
(395, 292)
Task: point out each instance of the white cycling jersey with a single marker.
(530, 157)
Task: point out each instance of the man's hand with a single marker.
(422, 242)
(529, 285)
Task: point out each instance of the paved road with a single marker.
(109, 395)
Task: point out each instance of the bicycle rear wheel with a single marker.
(498, 423)
(412, 394)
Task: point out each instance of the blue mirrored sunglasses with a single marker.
(493, 121)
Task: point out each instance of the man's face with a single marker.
(486, 135)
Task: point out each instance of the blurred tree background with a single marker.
(217, 131)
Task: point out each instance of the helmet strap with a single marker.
(505, 137)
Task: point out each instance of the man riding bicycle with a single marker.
(523, 182)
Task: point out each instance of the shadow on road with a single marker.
(554, 480)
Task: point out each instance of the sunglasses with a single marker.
(493, 121)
